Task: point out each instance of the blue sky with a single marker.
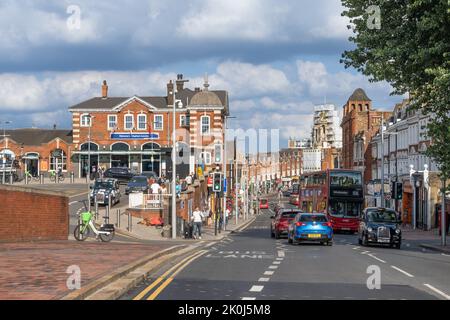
(277, 58)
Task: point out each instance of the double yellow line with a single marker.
(168, 279)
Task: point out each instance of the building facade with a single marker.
(405, 143)
(359, 124)
(137, 132)
(326, 132)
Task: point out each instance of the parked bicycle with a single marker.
(29, 176)
(84, 227)
(54, 174)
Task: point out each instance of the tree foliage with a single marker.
(411, 51)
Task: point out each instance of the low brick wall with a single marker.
(29, 215)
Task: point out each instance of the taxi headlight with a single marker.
(369, 229)
(397, 231)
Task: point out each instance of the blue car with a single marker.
(310, 227)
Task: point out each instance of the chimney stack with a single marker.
(180, 82)
(170, 88)
(104, 90)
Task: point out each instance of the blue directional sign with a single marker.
(134, 136)
(225, 185)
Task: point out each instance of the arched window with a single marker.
(85, 147)
(151, 146)
(120, 146)
(360, 107)
(58, 159)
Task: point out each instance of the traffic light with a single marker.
(218, 153)
(398, 190)
(217, 185)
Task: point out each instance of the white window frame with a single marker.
(125, 121)
(209, 125)
(139, 122)
(208, 154)
(181, 120)
(115, 121)
(86, 124)
(158, 122)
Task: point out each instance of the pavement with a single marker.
(250, 265)
(38, 271)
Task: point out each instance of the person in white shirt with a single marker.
(155, 188)
(197, 219)
(189, 179)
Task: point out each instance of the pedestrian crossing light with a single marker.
(217, 185)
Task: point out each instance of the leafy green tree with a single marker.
(407, 45)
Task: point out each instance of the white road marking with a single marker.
(248, 298)
(356, 248)
(256, 288)
(269, 273)
(210, 244)
(376, 258)
(402, 271)
(280, 259)
(445, 255)
(273, 267)
(281, 253)
(263, 279)
(73, 202)
(276, 262)
(446, 296)
(365, 252)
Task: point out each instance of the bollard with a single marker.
(96, 209)
(72, 177)
(11, 179)
(118, 218)
(26, 179)
(41, 178)
(130, 224)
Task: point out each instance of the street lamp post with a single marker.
(88, 172)
(174, 169)
(443, 217)
(4, 154)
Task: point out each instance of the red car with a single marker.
(280, 222)
(264, 204)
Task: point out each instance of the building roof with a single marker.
(205, 98)
(359, 95)
(35, 137)
(186, 96)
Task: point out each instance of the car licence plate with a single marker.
(384, 240)
(314, 236)
(345, 229)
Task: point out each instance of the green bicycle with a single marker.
(29, 176)
(82, 230)
(53, 175)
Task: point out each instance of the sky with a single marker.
(276, 58)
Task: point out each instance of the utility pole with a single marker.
(88, 173)
(443, 220)
(383, 202)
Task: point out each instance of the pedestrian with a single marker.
(189, 179)
(156, 188)
(227, 214)
(197, 220)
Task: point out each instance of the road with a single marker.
(252, 266)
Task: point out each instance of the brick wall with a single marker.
(29, 215)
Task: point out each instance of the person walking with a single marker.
(197, 220)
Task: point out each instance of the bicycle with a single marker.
(83, 229)
(53, 175)
(29, 176)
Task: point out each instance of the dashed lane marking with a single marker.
(402, 271)
(269, 273)
(376, 258)
(446, 296)
(256, 288)
(276, 262)
(279, 259)
(263, 279)
(273, 267)
(365, 252)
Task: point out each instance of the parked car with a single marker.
(105, 189)
(380, 226)
(137, 184)
(264, 204)
(121, 174)
(313, 227)
(280, 222)
(286, 192)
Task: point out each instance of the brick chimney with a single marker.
(104, 90)
(170, 88)
(180, 82)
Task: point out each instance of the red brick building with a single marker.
(359, 124)
(136, 132)
(37, 150)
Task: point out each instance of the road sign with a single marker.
(225, 185)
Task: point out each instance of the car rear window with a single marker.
(263, 201)
(289, 214)
(313, 218)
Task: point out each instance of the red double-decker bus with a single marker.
(338, 193)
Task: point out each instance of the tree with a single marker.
(407, 43)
